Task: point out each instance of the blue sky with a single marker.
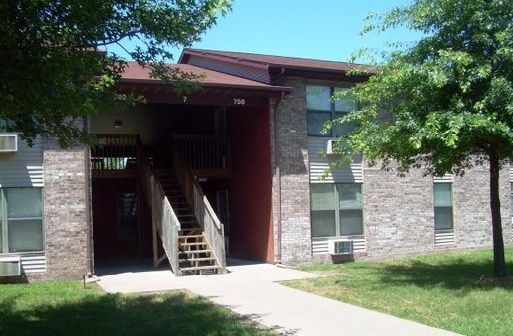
(319, 29)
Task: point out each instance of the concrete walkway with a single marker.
(252, 290)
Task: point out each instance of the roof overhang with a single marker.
(277, 66)
(214, 88)
(321, 74)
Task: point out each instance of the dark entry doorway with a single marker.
(120, 233)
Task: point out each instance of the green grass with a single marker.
(452, 291)
(65, 308)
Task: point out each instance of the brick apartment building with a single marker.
(232, 169)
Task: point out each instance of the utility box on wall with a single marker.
(10, 266)
(340, 247)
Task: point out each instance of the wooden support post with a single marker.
(154, 240)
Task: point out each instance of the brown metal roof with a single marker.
(269, 61)
(134, 73)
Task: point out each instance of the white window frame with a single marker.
(333, 111)
(337, 209)
(5, 219)
(451, 206)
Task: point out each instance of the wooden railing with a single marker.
(205, 155)
(124, 153)
(115, 155)
(165, 224)
(205, 215)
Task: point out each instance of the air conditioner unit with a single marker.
(10, 266)
(337, 247)
(8, 142)
(330, 145)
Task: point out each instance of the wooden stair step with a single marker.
(191, 236)
(189, 222)
(167, 179)
(187, 232)
(195, 251)
(194, 243)
(169, 190)
(178, 200)
(191, 260)
(185, 215)
(183, 211)
(189, 229)
(180, 206)
(179, 211)
(200, 268)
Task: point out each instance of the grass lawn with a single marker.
(65, 308)
(447, 290)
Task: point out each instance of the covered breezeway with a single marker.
(215, 124)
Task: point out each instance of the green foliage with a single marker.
(444, 104)
(52, 70)
(446, 98)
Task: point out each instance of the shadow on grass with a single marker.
(457, 274)
(114, 314)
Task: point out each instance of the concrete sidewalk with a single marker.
(252, 290)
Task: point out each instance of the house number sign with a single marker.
(235, 101)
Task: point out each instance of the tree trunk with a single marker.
(499, 262)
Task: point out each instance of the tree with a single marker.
(54, 68)
(448, 98)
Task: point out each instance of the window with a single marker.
(320, 109)
(21, 218)
(336, 209)
(443, 206)
(126, 216)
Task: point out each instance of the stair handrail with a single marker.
(165, 223)
(205, 215)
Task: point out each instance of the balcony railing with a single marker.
(205, 155)
(115, 155)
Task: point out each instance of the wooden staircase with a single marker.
(195, 254)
